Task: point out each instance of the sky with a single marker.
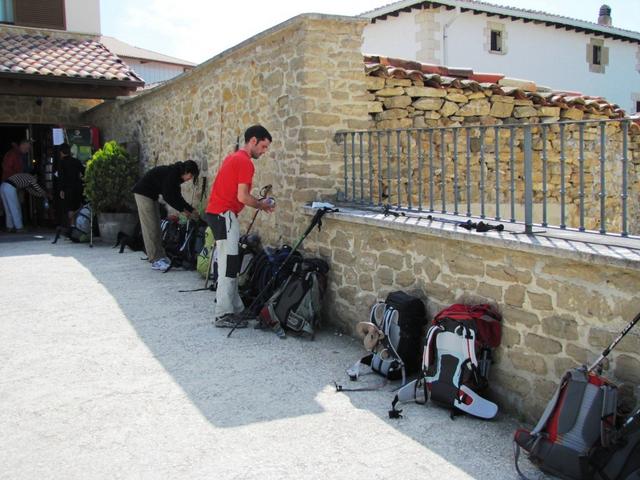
(196, 30)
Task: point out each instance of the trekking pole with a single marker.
(264, 193)
(316, 220)
(615, 341)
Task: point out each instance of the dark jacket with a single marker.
(164, 180)
(70, 171)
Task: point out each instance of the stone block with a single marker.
(517, 315)
(320, 119)
(627, 369)
(544, 389)
(365, 282)
(343, 257)
(501, 99)
(527, 362)
(540, 344)
(341, 240)
(523, 112)
(393, 260)
(457, 97)
(390, 92)
(395, 124)
(449, 108)
(426, 92)
(398, 82)
(460, 265)
(492, 292)
(510, 337)
(514, 295)
(397, 102)
(540, 301)
(393, 114)
(428, 103)
(475, 108)
(562, 364)
(348, 293)
(501, 110)
(549, 111)
(571, 114)
(405, 278)
(385, 275)
(560, 326)
(581, 355)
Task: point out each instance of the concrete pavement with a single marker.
(106, 371)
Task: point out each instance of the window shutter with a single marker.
(40, 13)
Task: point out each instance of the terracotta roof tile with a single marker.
(61, 57)
(439, 76)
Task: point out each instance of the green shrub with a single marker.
(109, 178)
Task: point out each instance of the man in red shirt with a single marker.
(230, 193)
(12, 161)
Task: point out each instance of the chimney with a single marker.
(605, 16)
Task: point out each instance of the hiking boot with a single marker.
(161, 265)
(230, 320)
(279, 331)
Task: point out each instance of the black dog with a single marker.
(135, 242)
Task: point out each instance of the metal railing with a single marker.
(568, 175)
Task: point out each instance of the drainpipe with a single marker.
(445, 36)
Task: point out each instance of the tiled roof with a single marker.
(438, 76)
(61, 57)
(513, 12)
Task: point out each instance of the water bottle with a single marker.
(46, 204)
(270, 201)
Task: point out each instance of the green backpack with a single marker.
(204, 257)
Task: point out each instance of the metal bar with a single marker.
(455, 172)
(409, 173)
(512, 179)
(353, 165)
(361, 135)
(379, 135)
(562, 179)
(388, 166)
(603, 189)
(581, 172)
(369, 141)
(468, 179)
(443, 173)
(625, 173)
(528, 181)
(346, 166)
(545, 162)
(399, 149)
(482, 171)
(497, 154)
(420, 162)
(431, 184)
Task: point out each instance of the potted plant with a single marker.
(109, 178)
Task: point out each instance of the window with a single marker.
(6, 11)
(496, 41)
(40, 13)
(596, 55)
(637, 106)
(495, 38)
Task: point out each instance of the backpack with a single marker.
(204, 256)
(456, 361)
(621, 458)
(297, 304)
(179, 241)
(579, 417)
(80, 229)
(393, 336)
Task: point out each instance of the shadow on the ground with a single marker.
(253, 376)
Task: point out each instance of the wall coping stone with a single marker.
(583, 247)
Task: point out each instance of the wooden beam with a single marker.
(48, 89)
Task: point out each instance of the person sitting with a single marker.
(9, 193)
(164, 180)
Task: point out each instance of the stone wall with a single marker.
(52, 111)
(404, 103)
(302, 80)
(560, 309)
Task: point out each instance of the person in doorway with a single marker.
(230, 193)
(164, 180)
(70, 174)
(9, 193)
(12, 161)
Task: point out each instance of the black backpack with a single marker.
(621, 458)
(393, 334)
(179, 241)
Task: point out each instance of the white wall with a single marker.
(397, 38)
(549, 56)
(153, 72)
(83, 16)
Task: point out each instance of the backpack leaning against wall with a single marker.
(393, 336)
(456, 361)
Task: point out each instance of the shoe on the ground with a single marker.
(11, 230)
(21, 230)
(161, 264)
(279, 331)
(230, 320)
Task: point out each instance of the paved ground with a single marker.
(106, 371)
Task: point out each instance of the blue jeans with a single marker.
(11, 204)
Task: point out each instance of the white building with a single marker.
(559, 52)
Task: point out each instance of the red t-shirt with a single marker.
(12, 163)
(237, 168)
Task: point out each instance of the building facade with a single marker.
(564, 54)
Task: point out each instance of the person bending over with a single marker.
(164, 180)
